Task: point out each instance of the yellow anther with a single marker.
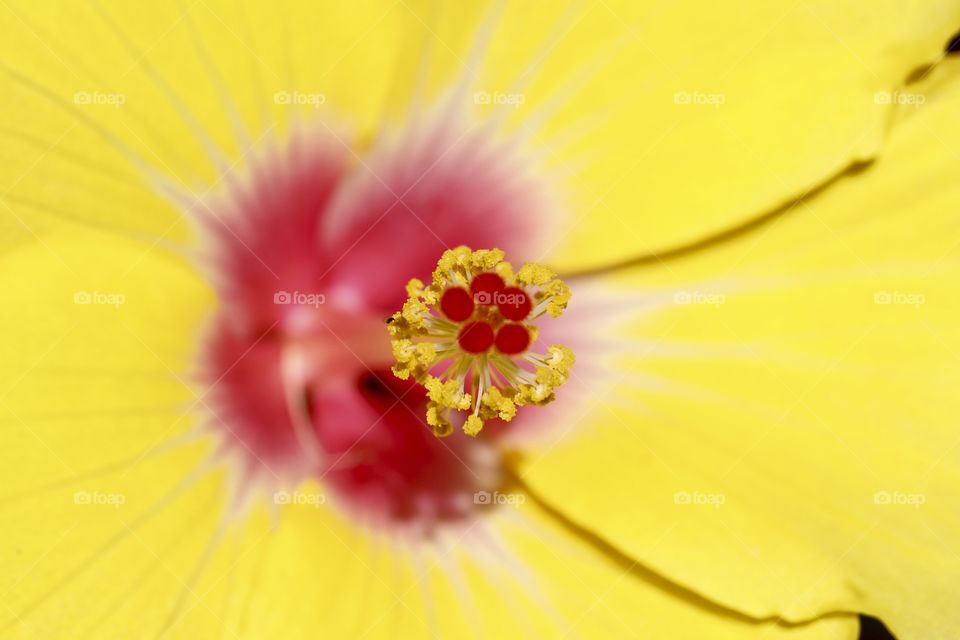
(415, 312)
(404, 350)
(440, 424)
(434, 388)
(505, 271)
(560, 358)
(506, 409)
(455, 398)
(472, 426)
(426, 353)
(549, 377)
(486, 259)
(415, 288)
(398, 326)
(559, 295)
(534, 274)
(492, 397)
(454, 259)
(541, 394)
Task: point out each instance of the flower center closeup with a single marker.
(313, 374)
(474, 355)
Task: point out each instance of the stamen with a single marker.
(466, 337)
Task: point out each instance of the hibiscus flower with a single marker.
(718, 401)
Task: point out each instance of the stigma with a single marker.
(468, 338)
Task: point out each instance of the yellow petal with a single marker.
(107, 103)
(516, 574)
(560, 585)
(666, 121)
(793, 422)
(99, 490)
(98, 96)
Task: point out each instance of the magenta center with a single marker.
(310, 256)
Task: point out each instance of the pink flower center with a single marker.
(310, 254)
